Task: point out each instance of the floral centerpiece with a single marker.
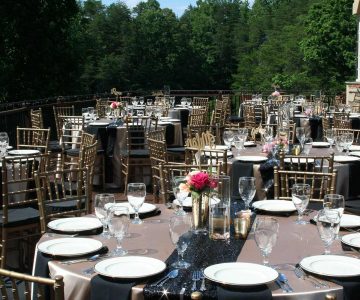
(275, 93)
(116, 108)
(199, 184)
(280, 143)
(308, 111)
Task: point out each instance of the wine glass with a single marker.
(179, 229)
(329, 134)
(91, 113)
(141, 100)
(266, 233)
(300, 135)
(188, 102)
(247, 190)
(339, 143)
(136, 193)
(268, 134)
(228, 137)
(307, 146)
(328, 224)
(101, 205)
(239, 142)
(119, 220)
(348, 140)
(334, 201)
(108, 112)
(4, 143)
(300, 197)
(180, 194)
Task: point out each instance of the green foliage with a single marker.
(51, 48)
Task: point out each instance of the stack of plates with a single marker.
(254, 158)
(23, 152)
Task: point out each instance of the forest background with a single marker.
(67, 47)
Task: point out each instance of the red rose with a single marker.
(200, 181)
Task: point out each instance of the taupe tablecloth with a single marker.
(294, 243)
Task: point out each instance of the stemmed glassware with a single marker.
(348, 140)
(329, 134)
(179, 229)
(300, 197)
(228, 138)
(266, 234)
(328, 224)
(300, 135)
(336, 202)
(268, 134)
(179, 193)
(4, 143)
(339, 143)
(119, 220)
(136, 193)
(307, 146)
(102, 204)
(247, 190)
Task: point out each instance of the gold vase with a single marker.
(200, 211)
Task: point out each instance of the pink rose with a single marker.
(275, 94)
(113, 105)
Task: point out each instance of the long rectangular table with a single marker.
(294, 243)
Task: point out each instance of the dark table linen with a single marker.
(260, 292)
(102, 288)
(239, 169)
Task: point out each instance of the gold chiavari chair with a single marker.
(356, 132)
(326, 124)
(20, 216)
(197, 117)
(158, 155)
(136, 154)
(355, 107)
(207, 156)
(219, 114)
(36, 119)
(169, 170)
(62, 111)
(342, 122)
(24, 291)
(33, 138)
(320, 183)
(101, 106)
(62, 193)
(201, 103)
(307, 163)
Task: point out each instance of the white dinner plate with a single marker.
(320, 144)
(354, 115)
(188, 202)
(165, 118)
(349, 221)
(74, 224)
(296, 160)
(332, 265)
(355, 153)
(217, 147)
(23, 152)
(174, 120)
(352, 239)
(300, 116)
(345, 158)
(70, 246)
(130, 267)
(145, 208)
(274, 205)
(253, 158)
(249, 144)
(164, 122)
(240, 274)
(354, 148)
(99, 123)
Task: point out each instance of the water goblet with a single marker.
(329, 134)
(179, 229)
(178, 184)
(108, 112)
(336, 202)
(300, 135)
(247, 190)
(183, 101)
(300, 196)
(4, 143)
(228, 137)
(136, 193)
(348, 140)
(119, 220)
(268, 134)
(91, 113)
(101, 205)
(328, 224)
(141, 100)
(239, 142)
(339, 143)
(266, 233)
(188, 102)
(149, 102)
(307, 146)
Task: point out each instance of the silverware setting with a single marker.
(299, 272)
(283, 279)
(171, 275)
(80, 260)
(351, 229)
(202, 277)
(279, 283)
(196, 276)
(53, 234)
(88, 271)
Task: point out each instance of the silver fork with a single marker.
(202, 277)
(316, 282)
(196, 275)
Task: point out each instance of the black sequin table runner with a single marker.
(201, 253)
